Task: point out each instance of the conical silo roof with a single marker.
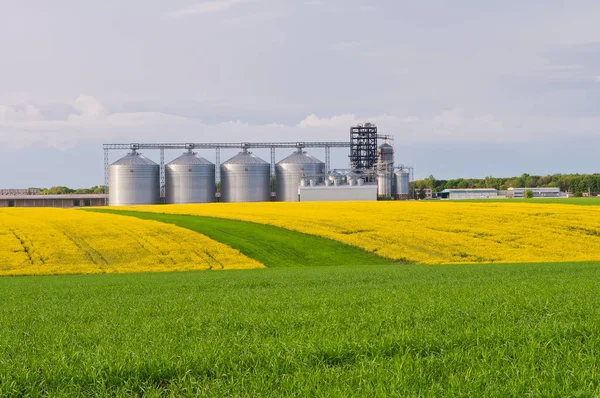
(189, 159)
(245, 158)
(134, 159)
(300, 157)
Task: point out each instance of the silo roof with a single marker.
(245, 158)
(386, 146)
(189, 159)
(300, 158)
(134, 159)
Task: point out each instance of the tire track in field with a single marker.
(275, 247)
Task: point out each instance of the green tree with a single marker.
(430, 182)
(528, 194)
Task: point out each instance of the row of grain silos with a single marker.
(135, 179)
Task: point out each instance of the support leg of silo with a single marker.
(327, 159)
(162, 172)
(106, 175)
(272, 160)
(218, 165)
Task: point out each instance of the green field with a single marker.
(493, 330)
(274, 247)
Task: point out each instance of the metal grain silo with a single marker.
(245, 178)
(403, 183)
(385, 154)
(292, 170)
(385, 183)
(133, 180)
(190, 179)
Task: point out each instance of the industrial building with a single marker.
(468, 193)
(537, 193)
(53, 200)
(189, 178)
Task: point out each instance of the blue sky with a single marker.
(469, 88)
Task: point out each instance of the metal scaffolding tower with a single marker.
(363, 146)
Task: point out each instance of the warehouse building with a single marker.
(331, 193)
(52, 200)
(468, 193)
(537, 192)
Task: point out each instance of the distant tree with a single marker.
(528, 194)
(430, 182)
(421, 194)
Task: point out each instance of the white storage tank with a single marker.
(190, 179)
(133, 180)
(245, 178)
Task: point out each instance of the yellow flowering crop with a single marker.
(39, 241)
(431, 232)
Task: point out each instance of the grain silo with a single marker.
(386, 182)
(133, 180)
(403, 184)
(190, 179)
(385, 154)
(245, 178)
(297, 167)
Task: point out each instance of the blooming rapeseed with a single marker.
(431, 232)
(41, 241)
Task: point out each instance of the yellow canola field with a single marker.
(431, 232)
(59, 241)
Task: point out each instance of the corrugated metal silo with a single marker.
(245, 178)
(385, 183)
(190, 179)
(133, 180)
(385, 154)
(403, 183)
(290, 171)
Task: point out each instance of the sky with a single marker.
(468, 88)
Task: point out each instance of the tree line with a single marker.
(575, 183)
(62, 190)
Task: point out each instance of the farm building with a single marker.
(52, 200)
(474, 193)
(338, 193)
(537, 192)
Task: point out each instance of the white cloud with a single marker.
(22, 127)
(89, 106)
(25, 113)
(206, 7)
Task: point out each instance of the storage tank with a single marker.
(403, 183)
(385, 154)
(290, 171)
(245, 178)
(190, 179)
(133, 180)
(384, 183)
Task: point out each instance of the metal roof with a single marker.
(133, 159)
(300, 158)
(245, 158)
(189, 159)
(469, 190)
(49, 197)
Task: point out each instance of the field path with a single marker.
(273, 246)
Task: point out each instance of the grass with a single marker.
(273, 246)
(462, 330)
